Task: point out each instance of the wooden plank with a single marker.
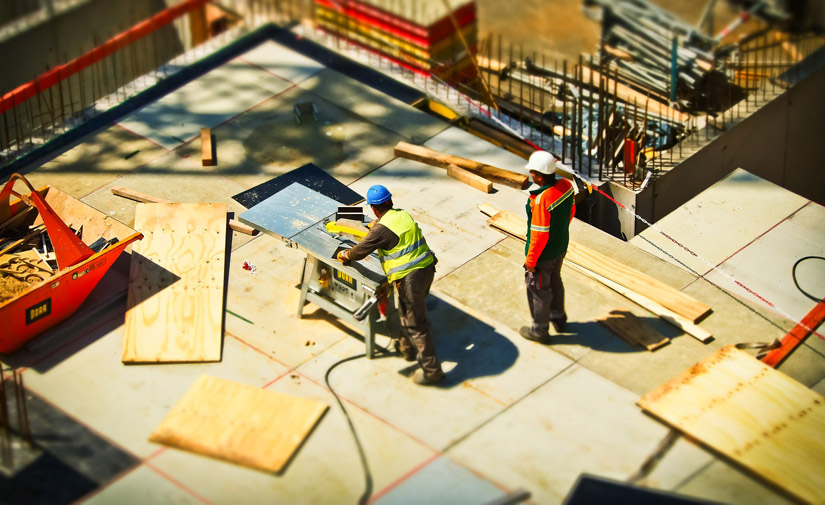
(144, 198)
(470, 179)
(797, 335)
(239, 423)
(633, 330)
(667, 296)
(443, 160)
(753, 414)
(207, 158)
(676, 320)
(176, 283)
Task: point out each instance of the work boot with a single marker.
(407, 352)
(560, 325)
(527, 333)
(424, 379)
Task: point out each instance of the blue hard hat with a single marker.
(378, 194)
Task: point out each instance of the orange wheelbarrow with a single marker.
(57, 297)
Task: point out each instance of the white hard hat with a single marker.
(542, 162)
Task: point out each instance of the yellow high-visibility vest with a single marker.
(410, 253)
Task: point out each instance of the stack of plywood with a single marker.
(417, 35)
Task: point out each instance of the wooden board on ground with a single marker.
(176, 283)
(667, 296)
(470, 179)
(753, 414)
(144, 198)
(444, 160)
(207, 158)
(633, 330)
(238, 423)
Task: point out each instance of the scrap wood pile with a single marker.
(26, 255)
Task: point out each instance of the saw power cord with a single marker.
(664, 234)
(793, 273)
(361, 454)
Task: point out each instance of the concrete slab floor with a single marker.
(266, 141)
(282, 62)
(204, 103)
(721, 220)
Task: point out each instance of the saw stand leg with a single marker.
(309, 266)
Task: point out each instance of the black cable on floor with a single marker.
(367, 474)
(793, 274)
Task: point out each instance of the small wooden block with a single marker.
(633, 330)
(206, 147)
(238, 423)
(469, 178)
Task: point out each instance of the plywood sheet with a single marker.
(176, 283)
(308, 175)
(757, 416)
(633, 330)
(239, 423)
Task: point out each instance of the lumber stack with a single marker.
(418, 35)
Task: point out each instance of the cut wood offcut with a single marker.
(753, 414)
(633, 330)
(238, 423)
(470, 179)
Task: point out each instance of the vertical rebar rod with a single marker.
(590, 114)
(62, 102)
(600, 120)
(564, 115)
(542, 93)
(31, 121)
(498, 75)
(578, 133)
(40, 113)
(52, 109)
(17, 131)
(7, 134)
(521, 92)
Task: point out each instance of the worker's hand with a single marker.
(342, 256)
(372, 223)
(529, 269)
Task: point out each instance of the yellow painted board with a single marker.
(753, 414)
(239, 423)
(176, 284)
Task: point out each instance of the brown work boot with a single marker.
(560, 325)
(527, 333)
(406, 352)
(424, 379)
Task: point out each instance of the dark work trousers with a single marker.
(412, 307)
(545, 295)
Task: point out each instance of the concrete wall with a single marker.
(782, 143)
(68, 35)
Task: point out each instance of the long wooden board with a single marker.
(144, 198)
(239, 423)
(176, 282)
(444, 160)
(753, 414)
(633, 330)
(666, 296)
(470, 179)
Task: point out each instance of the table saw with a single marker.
(299, 216)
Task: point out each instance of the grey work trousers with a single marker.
(413, 289)
(545, 295)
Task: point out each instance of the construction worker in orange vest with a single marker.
(410, 265)
(549, 212)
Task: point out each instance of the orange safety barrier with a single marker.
(61, 72)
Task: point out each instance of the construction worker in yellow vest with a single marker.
(410, 265)
(549, 212)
